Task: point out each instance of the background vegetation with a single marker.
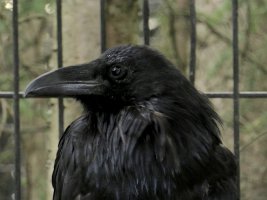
(169, 29)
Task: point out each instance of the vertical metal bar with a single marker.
(103, 25)
(16, 100)
(60, 64)
(193, 41)
(146, 22)
(236, 88)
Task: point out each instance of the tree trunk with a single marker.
(81, 31)
(182, 33)
(122, 23)
(173, 38)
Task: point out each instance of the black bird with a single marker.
(146, 134)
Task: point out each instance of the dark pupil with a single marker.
(116, 71)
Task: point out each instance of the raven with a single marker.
(146, 133)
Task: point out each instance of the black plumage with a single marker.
(146, 133)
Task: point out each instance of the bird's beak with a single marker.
(67, 82)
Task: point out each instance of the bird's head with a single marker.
(120, 76)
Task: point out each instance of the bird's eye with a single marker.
(118, 72)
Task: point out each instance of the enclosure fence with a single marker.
(17, 95)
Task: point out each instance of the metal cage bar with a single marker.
(16, 100)
(103, 43)
(224, 95)
(236, 88)
(193, 41)
(146, 22)
(60, 64)
(244, 95)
